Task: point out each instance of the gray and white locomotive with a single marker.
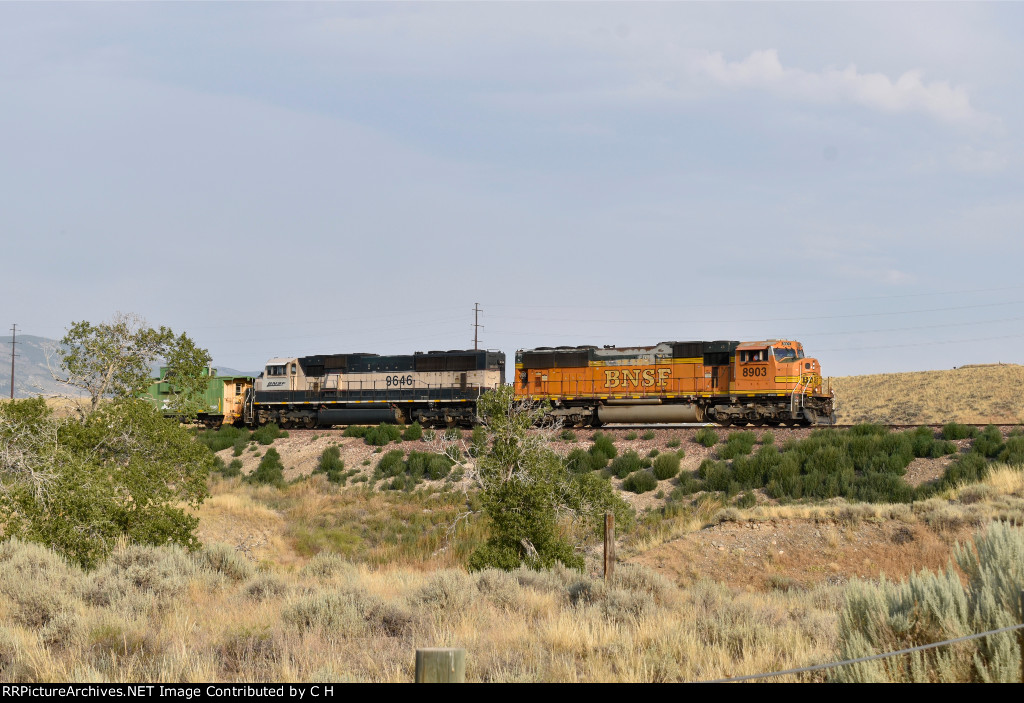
(437, 388)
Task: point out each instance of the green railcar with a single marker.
(222, 400)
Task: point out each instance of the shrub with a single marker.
(868, 429)
(330, 460)
(931, 607)
(768, 438)
(626, 464)
(413, 432)
(447, 590)
(224, 559)
(605, 445)
(598, 459)
(666, 466)
(233, 469)
(640, 482)
(439, 466)
(382, 435)
(966, 468)
(716, 475)
(737, 444)
(568, 436)
(648, 435)
(957, 431)
(270, 471)
(332, 465)
(674, 442)
(226, 436)
(581, 461)
(391, 464)
(688, 485)
(499, 587)
(339, 613)
(706, 436)
(355, 431)
(631, 436)
(746, 500)
(989, 443)
(268, 433)
(453, 434)
(1013, 453)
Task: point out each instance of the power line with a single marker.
(747, 303)
(720, 321)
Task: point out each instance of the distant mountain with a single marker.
(32, 375)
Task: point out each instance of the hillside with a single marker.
(31, 374)
(969, 394)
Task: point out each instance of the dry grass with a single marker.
(287, 527)
(969, 394)
(357, 624)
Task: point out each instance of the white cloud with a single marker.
(907, 93)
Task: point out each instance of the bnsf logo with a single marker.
(275, 384)
(616, 378)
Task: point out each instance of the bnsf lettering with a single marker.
(275, 384)
(755, 370)
(399, 381)
(623, 378)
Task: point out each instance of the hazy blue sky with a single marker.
(304, 178)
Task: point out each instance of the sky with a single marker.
(284, 179)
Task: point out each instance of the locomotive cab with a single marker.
(776, 365)
(282, 375)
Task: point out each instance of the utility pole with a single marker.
(476, 325)
(14, 336)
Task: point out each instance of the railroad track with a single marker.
(694, 426)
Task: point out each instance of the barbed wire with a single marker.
(873, 657)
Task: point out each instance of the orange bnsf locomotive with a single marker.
(732, 383)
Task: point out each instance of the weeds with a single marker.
(706, 436)
(268, 433)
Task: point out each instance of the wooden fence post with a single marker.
(609, 545)
(1020, 636)
(440, 665)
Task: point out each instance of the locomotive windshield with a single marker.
(787, 354)
(276, 370)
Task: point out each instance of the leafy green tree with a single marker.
(77, 486)
(113, 360)
(526, 488)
